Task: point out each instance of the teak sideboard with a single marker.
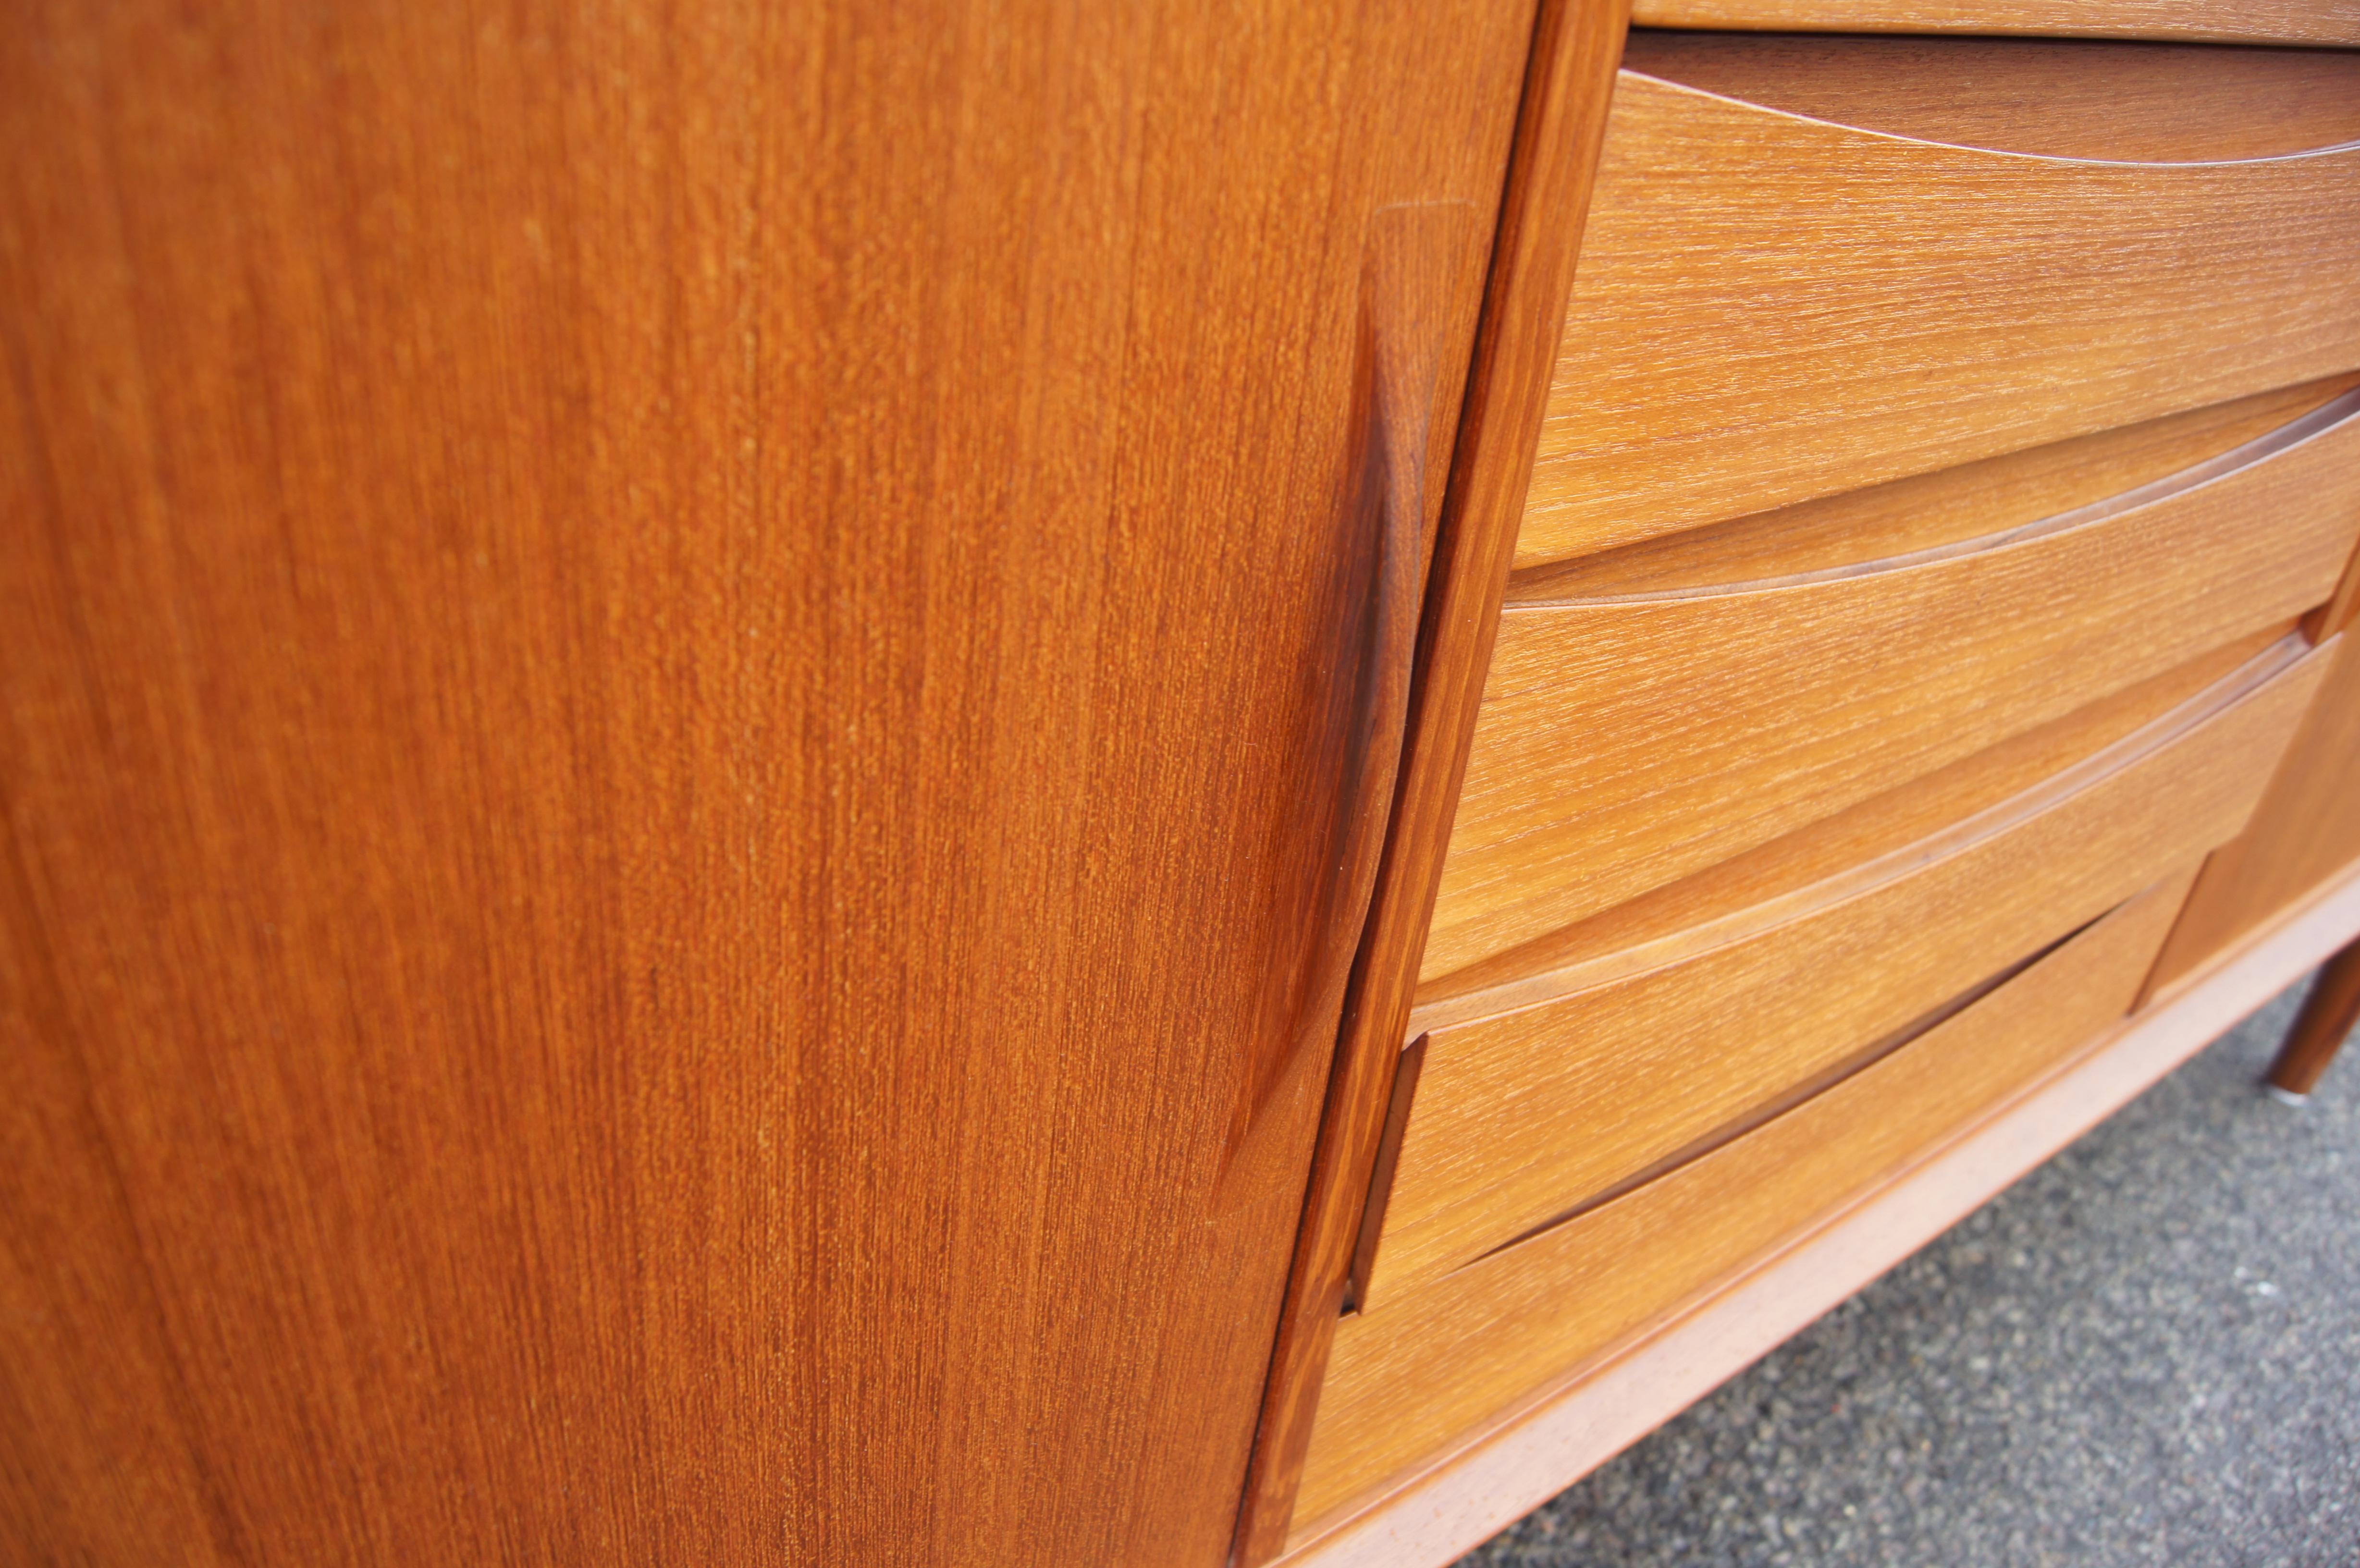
(1117, 784)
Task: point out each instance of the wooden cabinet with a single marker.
(2335, 22)
(1940, 525)
(1628, 739)
(682, 696)
(1520, 1117)
(1412, 1377)
(1112, 784)
(1898, 303)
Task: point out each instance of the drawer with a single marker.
(1638, 723)
(1772, 306)
(2119, 103)
(1791, 875)
(1412, 1380)
(2220, 21)
(1517, 1120)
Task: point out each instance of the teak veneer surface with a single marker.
(676, 692)
(1409, 1384)
(1771, 309)
(1860, 845)
(2218, 21)
(1522, 1118)
(2306, 829)
(1433, 1513)
(1574, 45)
(1929, 511)
(1625, 743)
(2309, 827)
(2339, 612)
(2133, 103)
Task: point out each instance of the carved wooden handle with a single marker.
(1414, 254)
(1406, 396)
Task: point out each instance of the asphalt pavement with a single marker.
(2145, 1352)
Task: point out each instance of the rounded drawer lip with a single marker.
(2326, 149)
(1772, 308)
(2281, 23)
(1866, 877)
(1709, 725)
(1520, 1118)
(2321, 421)
(1417, 1372)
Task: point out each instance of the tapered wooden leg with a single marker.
(2319, 1029)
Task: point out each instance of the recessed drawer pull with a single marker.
(1786, 1099)
(1519, 1115)
(1433, 1365)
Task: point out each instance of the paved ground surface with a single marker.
(2146, 1352)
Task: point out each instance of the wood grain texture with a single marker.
(1446, 1362)
(1774, 308)
(1713, 722)
(677, 692)
(1574, 46)
(1435, 1512)
(2212, 21)
(1522, 1118)
(2306, 830)
(1951, 506)
(1857, 848)
(2337, 615)
(2135, 103)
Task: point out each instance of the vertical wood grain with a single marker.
(677, 682)
(1575, 47)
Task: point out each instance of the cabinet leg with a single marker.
(2319, 1029)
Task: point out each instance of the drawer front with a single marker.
(1409, 1381)
(2206, 21)
(1518, 1119)
(1629, 740)
(1771, 308)
(2138, 104)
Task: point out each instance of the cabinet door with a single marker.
(683, 693)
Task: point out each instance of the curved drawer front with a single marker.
(1624, 742)
(1411, 1380)
(2211, 21)
(1518, 1119)
(1771, 308)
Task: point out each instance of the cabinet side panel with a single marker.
(2306, 831)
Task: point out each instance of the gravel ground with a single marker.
(2147, 1351)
